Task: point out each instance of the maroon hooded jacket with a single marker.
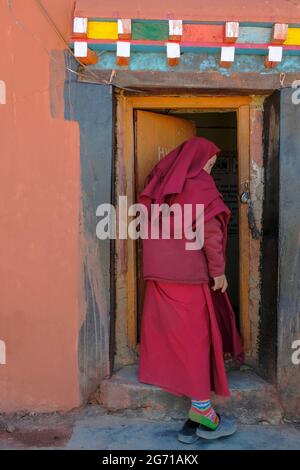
(179, 179)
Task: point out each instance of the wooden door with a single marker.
(126, 155)
(155, 136)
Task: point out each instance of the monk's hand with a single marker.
(220, 283)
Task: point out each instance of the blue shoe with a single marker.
(188, 434)
(226, 427)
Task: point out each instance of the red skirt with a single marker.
(181, 348)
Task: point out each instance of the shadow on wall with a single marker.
(91, 105)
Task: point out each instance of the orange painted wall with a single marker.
(39, 210)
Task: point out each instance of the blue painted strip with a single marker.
(291, 52)
(254, 35)
(266, 25)
(251, 51)
(197, 62)
(144, 48)
(256, 25)
(103, 47)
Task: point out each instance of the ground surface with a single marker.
(94, 428)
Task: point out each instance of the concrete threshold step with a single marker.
(253, 400)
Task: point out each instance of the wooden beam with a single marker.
(124, 29)
(203, 33)
(293, 37)
(123, 53)
(184, 102)
(274, 57)
(227, 56)
(231, 31)
(175, 30)
(189, 81)
(244, 237)
(280, 33)
(157, 30)
(173, 53)
(85, 55)
(102, 30)
(80, 27)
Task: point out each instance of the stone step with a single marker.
(253, 400)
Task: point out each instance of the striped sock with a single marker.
(202, 412)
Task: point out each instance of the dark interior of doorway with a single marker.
(221, 128)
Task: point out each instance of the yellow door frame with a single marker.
(126, 186)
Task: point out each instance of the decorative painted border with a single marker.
(174, 36)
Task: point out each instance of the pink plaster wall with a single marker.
(202, 10)
(39, 207)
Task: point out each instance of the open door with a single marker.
(155, 136)
(149, 127)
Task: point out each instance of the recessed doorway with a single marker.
(148, 128)
(158, 132)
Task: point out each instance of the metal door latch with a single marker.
(245, 198)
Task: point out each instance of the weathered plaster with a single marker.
(256, 191)
(91, 107)
(288, 372)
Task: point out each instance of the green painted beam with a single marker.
(151, 30)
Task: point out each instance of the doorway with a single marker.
(148, 128)
(158, 132)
